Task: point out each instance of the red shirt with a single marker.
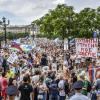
(4, 83)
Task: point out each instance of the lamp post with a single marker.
(5, 24)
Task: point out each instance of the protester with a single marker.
(93, 94)
(26, 90)
(47, 72)
(4, 84)
(4, 64)
(86, 84)
(78, 96)
(0, 93)
(42, 90)
(12, 89)
(61, 86)
(10, 74)
(53, 89)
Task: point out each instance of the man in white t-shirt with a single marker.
(61, 86)
(54, 67)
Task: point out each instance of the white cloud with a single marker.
(81, 4)
(29, 10)
(26, 9)
(59, 2)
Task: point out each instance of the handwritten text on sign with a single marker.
(87, 47)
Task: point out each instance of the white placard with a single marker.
(87, 47)
(54, 67)
(12, 58)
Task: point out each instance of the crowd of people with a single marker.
(46, 73)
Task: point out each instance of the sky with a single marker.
(22, 12)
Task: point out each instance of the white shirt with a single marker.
(62, 87)
(61, 84)
(35, 78)
(79, 96)
(54, 66)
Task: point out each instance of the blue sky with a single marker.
(21, 12)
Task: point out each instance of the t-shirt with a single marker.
(35, 78)
(25, 90)
(3, 83)
(10, 74)
(53, 87)
(61, 86)
(44, 61)
(43, 86)
(79, 96)
(85, 85)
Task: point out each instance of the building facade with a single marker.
(17, 29)
(20, 29)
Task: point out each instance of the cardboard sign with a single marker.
(12, 58)
(54, 67)
(87, 47)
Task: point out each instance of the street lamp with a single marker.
(5, 24)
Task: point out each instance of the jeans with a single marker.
(0, 98)
(62, 97)
(44, 97)
(51, 97)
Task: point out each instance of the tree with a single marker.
(64, 22)
(86, 22)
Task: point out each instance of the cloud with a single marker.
(59, 2)
(81, 4)
(29, 10)
(26, 9)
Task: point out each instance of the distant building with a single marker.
(20, 29)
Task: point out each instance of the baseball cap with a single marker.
(78, 85)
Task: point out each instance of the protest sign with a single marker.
(54, 67)
(87, 47)
(12, 58)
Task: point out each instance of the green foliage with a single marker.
(64, 22)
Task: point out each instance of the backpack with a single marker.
(89, 87)
(11, 90)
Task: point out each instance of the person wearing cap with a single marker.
(97, 86)
(78, 96)
(86, 84)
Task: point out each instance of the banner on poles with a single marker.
(87, 47)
